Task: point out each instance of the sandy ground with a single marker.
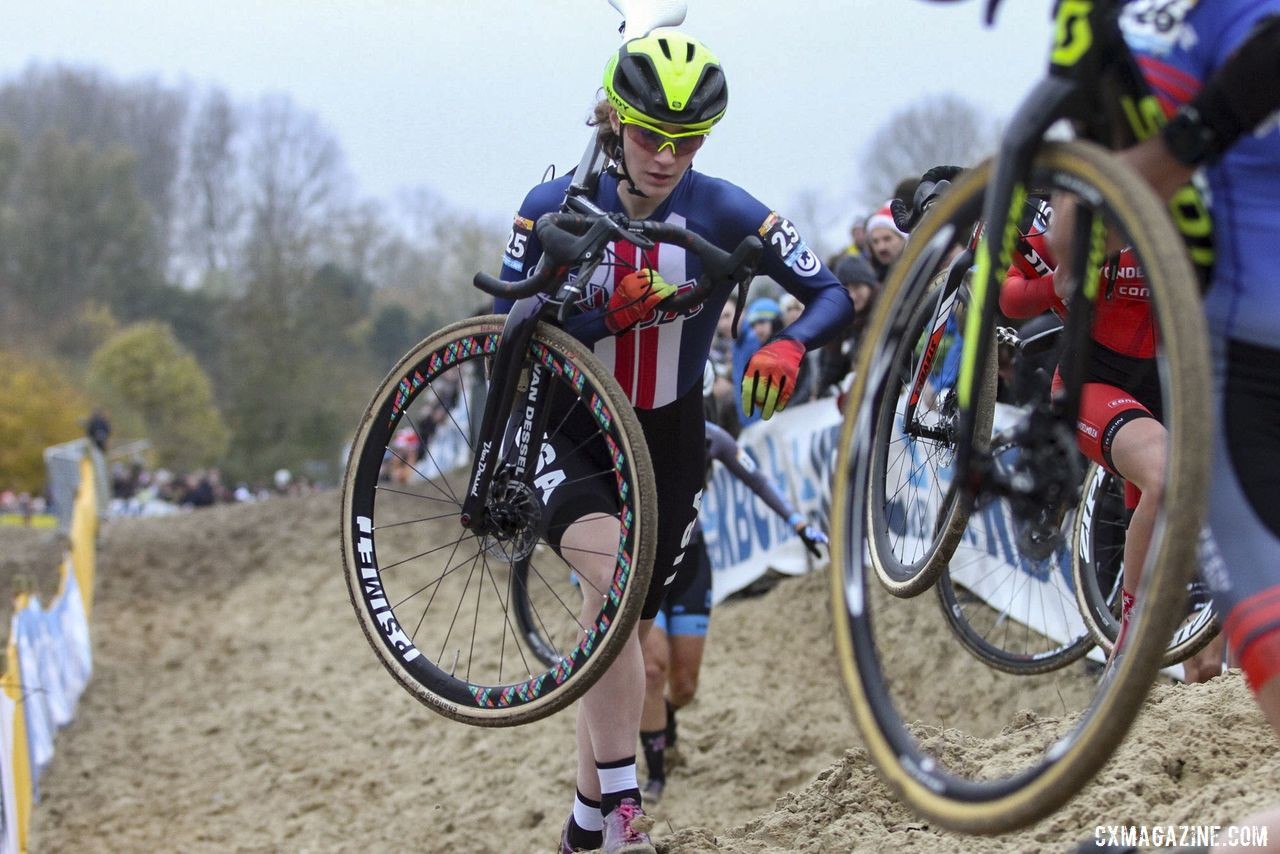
(235, 706)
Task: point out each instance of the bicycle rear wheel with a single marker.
(437, 601)
(1098, 568)
(1057, 739)
(1013, 608)
(1000, 607)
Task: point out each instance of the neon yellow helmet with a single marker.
(667, 78)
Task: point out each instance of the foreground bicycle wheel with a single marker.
(913, 525)
(1098, 567)
(1054, 731)
(435, 600)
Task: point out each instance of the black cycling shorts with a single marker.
(676, 436)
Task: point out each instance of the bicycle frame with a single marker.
(506, 379)
(1089, 57)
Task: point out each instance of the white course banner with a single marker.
(797, 450)
(745, 539)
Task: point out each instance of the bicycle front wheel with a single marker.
(438, 602)
(1052, 731)
(913, 522)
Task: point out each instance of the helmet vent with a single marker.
(688, 52)
(666, 47)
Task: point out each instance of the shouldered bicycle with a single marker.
(436, 562)
(1020, 498)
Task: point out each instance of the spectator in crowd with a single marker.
(722, 344)
(98, 429)
(835, 360)
(857, 241)
(884, 241)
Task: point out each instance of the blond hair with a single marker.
(601, 119)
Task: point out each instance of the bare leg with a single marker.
(1207, 663)
(1269, 700)
(656, 662)
(609, 716)
(1138, 453)
(686, 664)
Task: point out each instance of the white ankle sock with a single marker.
(618, 779)
(587, 816)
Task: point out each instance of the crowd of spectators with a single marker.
(138, 490)
(875, 243)
(24, 505)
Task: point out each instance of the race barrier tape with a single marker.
(48, 661)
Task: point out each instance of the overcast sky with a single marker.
(474, 98)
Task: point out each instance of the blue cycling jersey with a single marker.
(1179, 45)
(662, 358)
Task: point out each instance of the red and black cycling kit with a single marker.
(1120, 382)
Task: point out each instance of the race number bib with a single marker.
(783, 238)
(1155, 26)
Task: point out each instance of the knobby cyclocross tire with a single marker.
(904, 466)
(433, 598)
(1014, 799)
(1098, 567)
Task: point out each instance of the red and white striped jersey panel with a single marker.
(645, 359)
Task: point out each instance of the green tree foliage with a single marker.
(89, 107)
(146, 370)
(10, 157)
(80, 229)
(39, 407)
(293, 294)
(391, 334)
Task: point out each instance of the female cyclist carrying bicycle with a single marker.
(664, 93)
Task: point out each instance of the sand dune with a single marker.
(235, 706)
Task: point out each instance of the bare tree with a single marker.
(88, 107)
(214, 206)
(451, 245)
(296, 182)
(937, 130)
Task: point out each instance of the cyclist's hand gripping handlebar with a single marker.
(718, 266)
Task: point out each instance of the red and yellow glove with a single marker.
(635, 298)
(770, 377)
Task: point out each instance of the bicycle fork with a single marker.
(518, 387)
